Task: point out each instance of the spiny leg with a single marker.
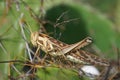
(77, 45)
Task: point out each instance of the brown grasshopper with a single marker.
(71, 52)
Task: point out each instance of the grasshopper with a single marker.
(71, 52)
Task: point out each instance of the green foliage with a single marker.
(59, 74)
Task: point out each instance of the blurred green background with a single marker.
(99, 19)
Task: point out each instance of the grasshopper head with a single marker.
(34, 37)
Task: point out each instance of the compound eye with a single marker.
(89, 39)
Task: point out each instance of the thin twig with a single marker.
(67, 21)
(42, 9)
(12, 61)
(24, 37)
(3, 48)
(16, 69)
(32, 13)
(61, 16)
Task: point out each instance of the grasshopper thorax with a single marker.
(34, 37)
